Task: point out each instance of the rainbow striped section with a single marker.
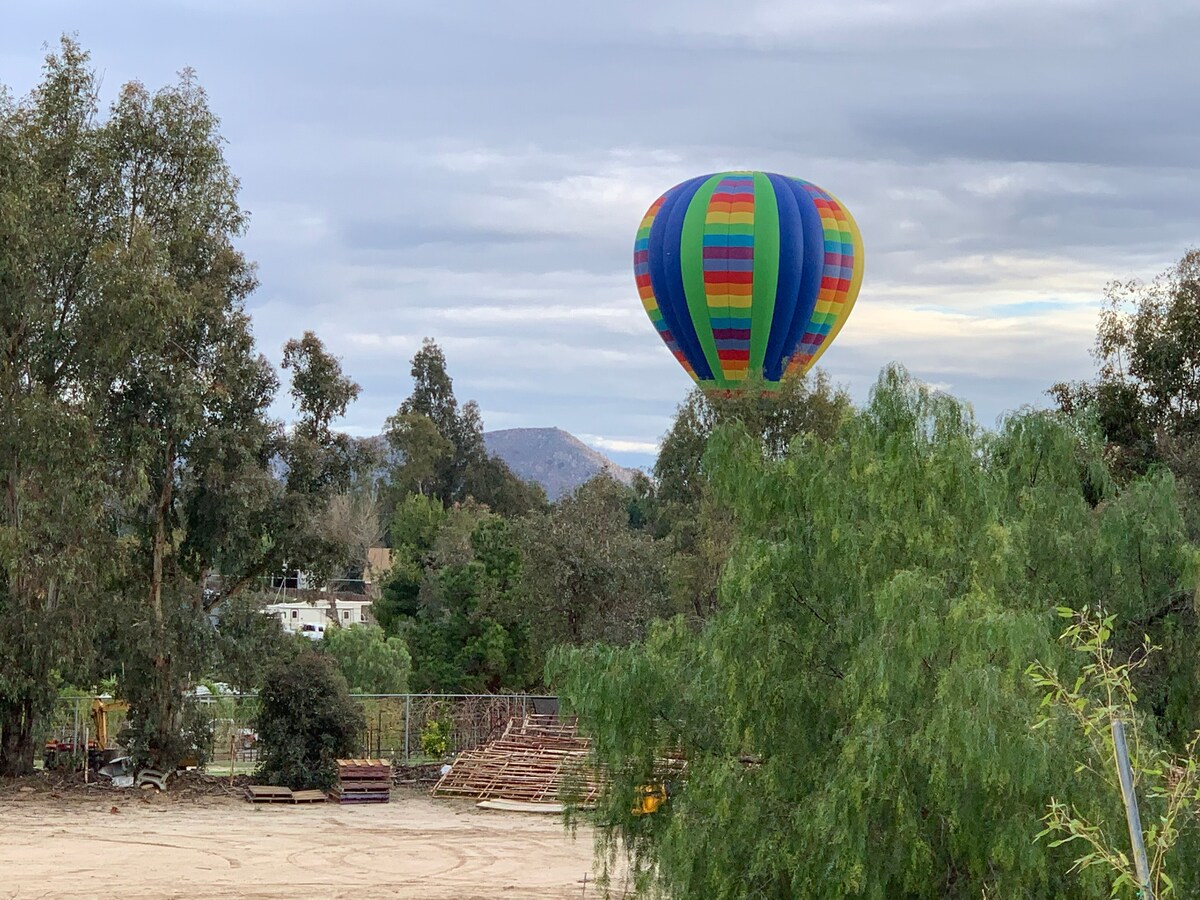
(641, 271)
(747, 276)
(834, 297)
(728, 254)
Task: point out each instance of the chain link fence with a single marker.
(405, 728)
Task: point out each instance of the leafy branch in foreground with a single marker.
(1170, 785)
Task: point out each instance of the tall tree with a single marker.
(1147, 395)
(136, 455)
(433, 397)
(195, 381)
(190, 420)
(60, 345)
(437, 448)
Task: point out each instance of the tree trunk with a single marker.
(16, 738)
(162, 704)
(16, 727)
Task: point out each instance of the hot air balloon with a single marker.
(747, 275)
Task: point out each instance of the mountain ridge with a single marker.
(556, 459)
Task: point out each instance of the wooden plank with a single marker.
(520, 806)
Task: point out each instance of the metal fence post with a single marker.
(407, 712)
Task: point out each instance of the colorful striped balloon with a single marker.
(747, 272)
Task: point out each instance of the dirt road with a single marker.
(222, 847)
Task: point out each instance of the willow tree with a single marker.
(856, 718)
(684, 511)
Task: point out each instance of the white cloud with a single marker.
(618, 444)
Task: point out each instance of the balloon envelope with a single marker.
(747, 273)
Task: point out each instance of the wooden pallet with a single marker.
(268, 793)
(339, 796)
(363, 781)
(375, 769)
(308, 797)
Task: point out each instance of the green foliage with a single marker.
(248, 643)
(451, 595)
(1167, 788)
(454, 599)
(1147, 395)
(436, 737)
(307, 720)
(856, 717)
(681, 509)
(588, 575)
(372, 662)
(414, 529)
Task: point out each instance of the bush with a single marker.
(435, 737)
(307, 721)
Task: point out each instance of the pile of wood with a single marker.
(363, 781)
(532, 761)
(270, 793)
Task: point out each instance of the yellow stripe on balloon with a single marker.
(856, 278)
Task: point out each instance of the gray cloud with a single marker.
(474, 172)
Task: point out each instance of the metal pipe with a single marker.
(1125, 771)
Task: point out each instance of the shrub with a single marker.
(307, 720)
(435, 737)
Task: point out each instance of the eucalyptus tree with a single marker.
(136, 452)
(59, 350)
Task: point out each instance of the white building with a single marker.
(312, 618)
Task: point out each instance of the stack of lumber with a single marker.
(532, 761)
(363, 781)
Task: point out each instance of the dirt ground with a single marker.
(97, 842)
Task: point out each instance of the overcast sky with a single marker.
(475, 171)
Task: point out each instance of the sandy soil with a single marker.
(130, 844)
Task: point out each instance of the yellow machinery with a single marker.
(650, 798)
(100, 711)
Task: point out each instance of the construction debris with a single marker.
(363, 781)
(152, 778)
(537, 760)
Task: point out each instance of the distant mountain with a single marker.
(555, 459)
